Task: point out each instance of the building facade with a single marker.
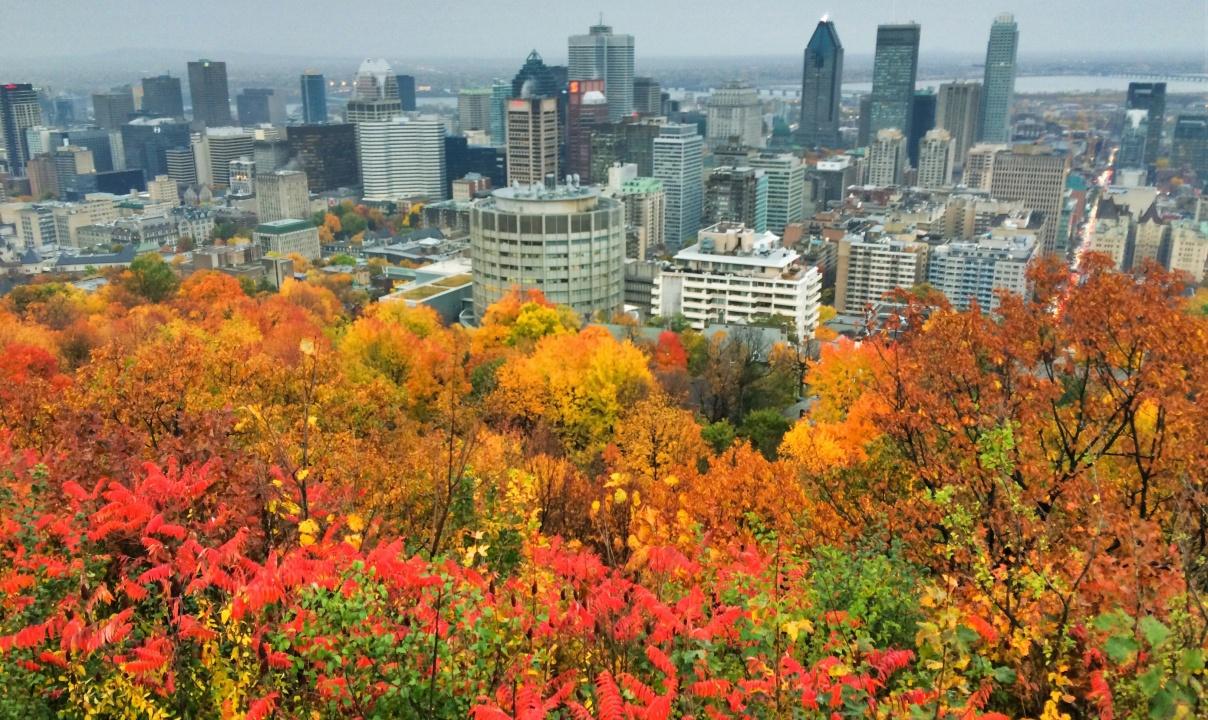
(821, 88)
(260, 106)
(326, 153)
(867, 270)
(532, 139)
(375, 94)
(1035, 175)
(887, 158)
(314, 97)
(287, 237)
(604, 55)
(566, 241)
(1150, 97)
(737, 195)
(209, 92)
(937, 156)
(645, 216)
(895, 69)
(474, 109)
(402, 158)
(282, 195)
(586, 109)
(678, 163)
(647, 96)
(162, 97)
(998, 85)
(113, 109)
(978, 271)
(19, 111)
(957, 110)
(786, 188)
(735, 116)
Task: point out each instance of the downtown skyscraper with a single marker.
(602, 55)
(162, 97)
(998, 87)
(209, 92)
(1150, 97)
(894, 72)
(19, 110)
(821, 85)
(314, 97)
(678, 153)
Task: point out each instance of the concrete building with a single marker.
(979, 166)
(895, 69)
(474, 109)
(532, 139)
(162, 97)
(113, 109)
(282, 195)
(1188, 249)
(327, 154)
(163, 189)
(645, 216)
(786, 187)
(314, 97)
(75, 171)
(647, 96)
(733, 275)
(241, 179)
(285, 237)
(887, 158)
(146, 141)
(216, 148)
(821, 88)
(402, 158)
(375, 95)
(566, 241)
(998, 86)
(1036, 175)
(734, 116)
(737, 195)
(209, 92)
(867, 270)
(181, 166)
(43, 176)
(978, 271)
(958, 110)
(937, 155)
(603, 55)
(259, 106)
(629, 141)
(678, 163)
(19, 110)
(586, 109)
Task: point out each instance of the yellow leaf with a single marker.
(307, 346)
(302, 474)
(620, 496)
(312, 421)
(595, 508)
(307, 529)
(355, 523)
(671, 481)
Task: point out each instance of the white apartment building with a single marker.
(868, 269)
(937, 155)
(887, 158)
(968, 271)
(735, 275)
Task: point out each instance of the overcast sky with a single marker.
(506, 28)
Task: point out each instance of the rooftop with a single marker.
(280, 227)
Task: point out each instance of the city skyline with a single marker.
(509, 30)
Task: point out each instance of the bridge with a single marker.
(1162, 77)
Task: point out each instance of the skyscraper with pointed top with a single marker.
(998, 88)
(603, 55)
(821, 85)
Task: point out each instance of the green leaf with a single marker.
(1151, 682)
(1192, 660)
(1161, 706)
(1120, 648)
(1004, 675)
(1154, 631)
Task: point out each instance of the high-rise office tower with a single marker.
(735, 116)
(979, 165)
(1189, 143)
(327, 153)
(532, 139)
(678, 154)
(19, 110)
(628, 141)
(181, 165)
(786, 188)
(402, 158)
(375, 93)
(282, 195)
(406, 92)
(209, 93)
(64, 111)
(162, 97)
(106, 147)
(645, 215)
(1035, 175)
(957, 107)
(922, 119)
(575, 237)
(270, 155)
(222, 145)
(937, 155)
(821, 86)
(647, 96)
(586, 109)
(1150, 97)
(501, 91)
(737, 195)
(998, 87)
(113, 109)
(259, 106)
(864, 123)
(43, 176)
(1134, 138)
(145, 142)
(535, 79)
(894, 71)
(887, 158)
(602, 55)
(75, 171)
(314, 97)
(474, 109)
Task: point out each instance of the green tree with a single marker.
(151, 278)
(765, 429)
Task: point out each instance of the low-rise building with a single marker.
(284, 237)
(735, 275)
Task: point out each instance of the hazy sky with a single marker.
(506, 28)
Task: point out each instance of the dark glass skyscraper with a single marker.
(821, 83)
(162, 97)
(998, 87)
(19, 110)
(209, 93)
(535, 79)
(113, 109)
(314, 97)
(406, 92)
(1150, 97)
(326, 153)
(894, 71)
(922, 119)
